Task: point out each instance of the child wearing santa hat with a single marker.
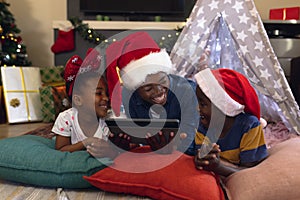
(139, 75)
(82, 126)
(229, 122)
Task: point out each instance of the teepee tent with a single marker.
(234, 33)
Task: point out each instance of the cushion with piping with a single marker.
(157, 176)
(33, 160)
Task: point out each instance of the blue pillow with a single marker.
(33, 160)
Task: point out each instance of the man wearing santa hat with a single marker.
(229, 122)
(149, 89)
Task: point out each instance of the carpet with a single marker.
(43, 131)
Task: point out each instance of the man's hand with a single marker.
(121, 141)
(161, 144)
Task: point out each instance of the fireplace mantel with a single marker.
(122, 25)
(108, 29)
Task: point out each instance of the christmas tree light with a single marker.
(12, 50)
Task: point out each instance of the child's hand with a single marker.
(210, 161)
(90, 140)
(161, 144)
(100, 148)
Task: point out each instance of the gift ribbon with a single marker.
(25, 93)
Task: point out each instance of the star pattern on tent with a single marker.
(224, 14)
(213, 5)
(200, 11)
(195, 38)
(265, 74)
(241, 35)
(277, 83)
(244, 19)
(181, 52)
(253, 29)
(258, 61)
(201, 22)
(259, 45)
(250, 43)
(244, 49)
(238, 6)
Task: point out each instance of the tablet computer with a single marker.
(138, 128)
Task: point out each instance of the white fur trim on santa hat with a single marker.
(217, 94)
(134, 74)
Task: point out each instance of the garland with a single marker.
(87, 33)
(93, 36)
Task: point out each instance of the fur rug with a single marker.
(43, 131)
(274, 133)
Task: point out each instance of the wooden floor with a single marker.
(12, 130)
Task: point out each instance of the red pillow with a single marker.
(175, 177)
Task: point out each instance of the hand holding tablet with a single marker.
(141, 131)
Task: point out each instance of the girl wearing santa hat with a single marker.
(229, 122)
(139, 75)
(82, 127)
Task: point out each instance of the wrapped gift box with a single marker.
(21, 93)
(52, 74)
(2, 107)
(285, 13)
(54, 100)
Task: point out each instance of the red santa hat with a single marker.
(71, 69)
(131, 60)
(75, 65)
(229, 90)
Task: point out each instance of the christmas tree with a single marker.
(12, 49)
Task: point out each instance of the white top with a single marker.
(67, 125)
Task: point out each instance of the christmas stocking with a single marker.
(64, 41)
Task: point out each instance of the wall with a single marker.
(34, 18)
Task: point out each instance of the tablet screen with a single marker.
(138, 128)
